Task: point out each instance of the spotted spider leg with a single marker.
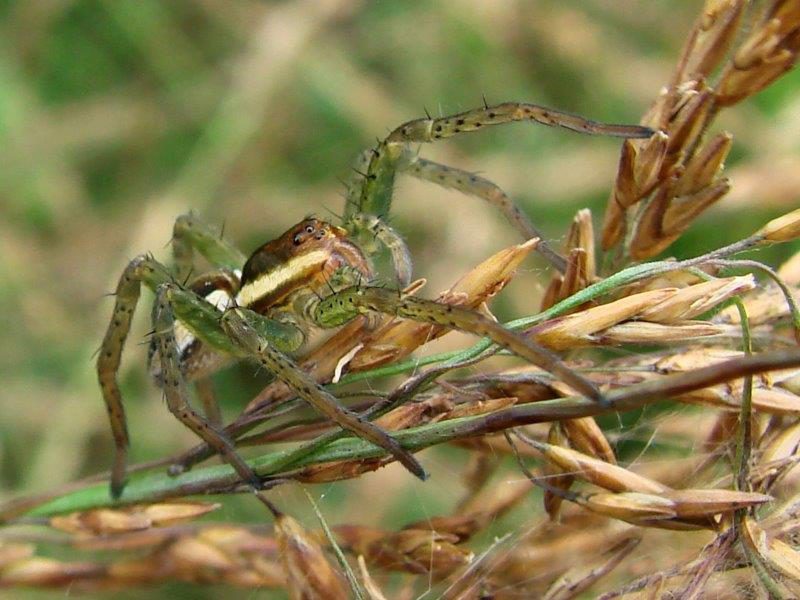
(344, 305)
(373, 193)
(142, 269)
(429, 129)
(239, 324)
(174, 385)
(471, 184)
(467, 183)
(189, 234)
(198, 315)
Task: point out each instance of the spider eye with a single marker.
(309, 229)
(297, 239)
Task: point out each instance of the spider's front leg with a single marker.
(344, 305)
(371, 192)
(174, 385)
(146, 270)
(239, 324)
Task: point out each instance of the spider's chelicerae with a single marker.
(314, 275)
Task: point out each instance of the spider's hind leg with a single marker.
(371, 193)
(189, 234)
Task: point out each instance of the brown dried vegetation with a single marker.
(728, 513)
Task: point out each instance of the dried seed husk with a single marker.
(772, 401)
(704, 166)
(102, 521)
(170, 513)
(782, 229)
(598, 472)
(48, 572)
(784, 445)
(420, 551)
(556, 478)
(650, 163)
(309, 573)
(777, 554)
(480, 407)
(689, 120)
(697, 299)
(131, 518)
(714, 32)
(576, 330)
(667, 217)
(769, 51)
(683, 210)
(632, 507)
(196, 554)
(642, 332)
(585, 435)
(705, 503)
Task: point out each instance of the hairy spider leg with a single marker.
(429, 130)
(142, 269)
(238, 323)
(471, 184)
(407, 162)
(372, 194)
(174, 385)
(189, 234)
(370, 231)
(345, 304)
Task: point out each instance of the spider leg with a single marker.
(341, 307)
(475, 185)
(239, 324)
(200, 317)
(429, 130)
(371, 191)
(174, 385)
(189, 234)
(142, 269)
(371, 230)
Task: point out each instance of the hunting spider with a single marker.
(314, 275)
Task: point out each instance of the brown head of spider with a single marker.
(305, 258)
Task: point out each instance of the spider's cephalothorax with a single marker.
(304, 263)
(314, 275)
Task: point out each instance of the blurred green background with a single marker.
(116, 116)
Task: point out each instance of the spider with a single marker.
(316, 274)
